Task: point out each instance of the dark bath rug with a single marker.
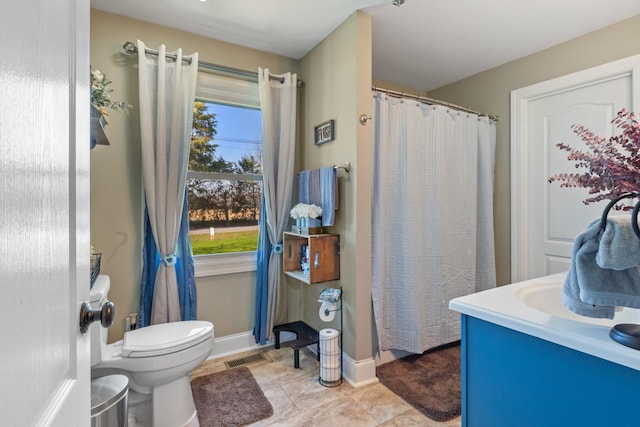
(430, 382)
(229, 398)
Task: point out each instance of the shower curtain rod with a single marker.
(432, 101)
(131, 49)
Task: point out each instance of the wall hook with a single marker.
(364, 119)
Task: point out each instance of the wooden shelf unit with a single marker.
(324, 256)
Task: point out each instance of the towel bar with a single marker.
(625, 333)
(634, 213)
(346, 166)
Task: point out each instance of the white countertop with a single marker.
(534, 307)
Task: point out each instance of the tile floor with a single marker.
(298, 400)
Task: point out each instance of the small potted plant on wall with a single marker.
(100, 102)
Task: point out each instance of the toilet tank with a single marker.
(98, 294)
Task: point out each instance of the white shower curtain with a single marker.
(432, 219)
(167, 92)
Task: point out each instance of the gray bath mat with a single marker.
(430, 382)
(229, 398)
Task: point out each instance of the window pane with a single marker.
(223, 213)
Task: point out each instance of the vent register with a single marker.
(247, 360)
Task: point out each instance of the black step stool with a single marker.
(305, 335)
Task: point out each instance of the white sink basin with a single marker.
(534, 307)
(547, 297)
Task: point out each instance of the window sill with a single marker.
(215, 265)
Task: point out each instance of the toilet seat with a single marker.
(166, 338)
(157, 360)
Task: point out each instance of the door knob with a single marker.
(106, 314)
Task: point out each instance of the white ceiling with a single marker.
(423, 44)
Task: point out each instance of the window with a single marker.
(224, 181)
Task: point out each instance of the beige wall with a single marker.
(337, 76)
(489, 92)
(116, 185)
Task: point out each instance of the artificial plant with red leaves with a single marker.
(612, 165)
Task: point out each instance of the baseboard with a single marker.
(359, 373)
(356, 372)
(386, 356)
(240, 343)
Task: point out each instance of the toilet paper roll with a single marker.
(328, 333)
(327, 311)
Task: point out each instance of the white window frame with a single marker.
(241, 93)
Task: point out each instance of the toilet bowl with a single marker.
(158, 361)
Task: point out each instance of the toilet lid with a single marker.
(165, 338)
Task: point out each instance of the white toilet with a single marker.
(158, 361)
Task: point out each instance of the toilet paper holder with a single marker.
(327, 309)
(330, 353)
(330, 302)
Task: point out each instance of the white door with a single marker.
(545, 217)
(44, 212)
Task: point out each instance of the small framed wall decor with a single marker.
(324, 132)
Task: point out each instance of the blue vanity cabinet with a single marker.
(511, 379)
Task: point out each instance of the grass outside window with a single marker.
(224, 242)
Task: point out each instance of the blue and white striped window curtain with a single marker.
(185, 271)
(260, 331)
(167, 91)
(278, 106)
